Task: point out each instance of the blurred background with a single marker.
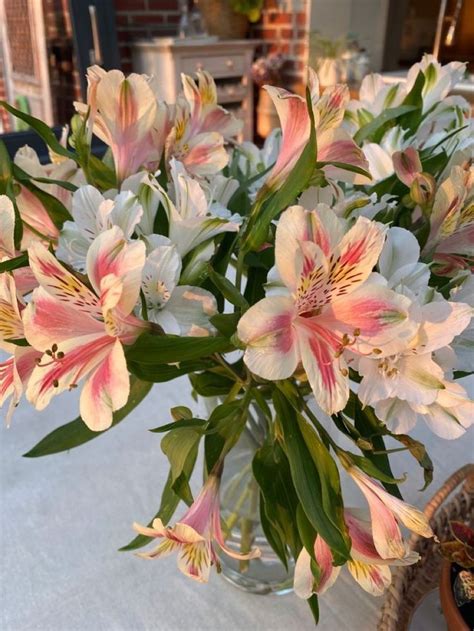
(47, 45)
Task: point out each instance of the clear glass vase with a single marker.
(240, 511)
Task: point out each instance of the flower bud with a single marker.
(423, 188)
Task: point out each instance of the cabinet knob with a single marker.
(229, 63)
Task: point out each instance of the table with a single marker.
(63, 518)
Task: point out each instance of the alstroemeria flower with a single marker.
(195, 536)
(80, 332)
(334, 143)
(451, 238)
(190, 222)
(92, 214)
(439, 80)
(407, 165)
(201, 153)
(24, 279)
(125, 114)
(206, 114)
(385, 513)
(367, 567)
(178, 309)
(326, 307)
(65, 170)
(375, 96)
(37, 224)
(17, 368)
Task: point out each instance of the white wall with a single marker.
(367, 19)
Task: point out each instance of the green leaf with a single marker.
(371, 469)
(167, 349)
(16, 263)
(331, 494)
(168, 505)
(225, 426)
(181, 447)
(370, 427)
(181, 412)
(373, 129)
(23, 176)
(272, 472)
(295, 183)
(272, 534)
(5, 168)
(228, 289)
(418, 451)
(307, 480)
(41, 129)
(412, 120)
(306, 531)
(160, 373)
(314, 606)
(226, 323)
(77, 433)
(211, 384)
(197, 424)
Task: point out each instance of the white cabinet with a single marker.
(229, 62)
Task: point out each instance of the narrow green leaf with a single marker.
(412, 120)
(77, 433)
(197, 424)
(314, 606)
(22, 176)
(180, 447)
(225, 426)
(228, 289)
(272, 534)
(41, 129)
(166, 349)
(371, 469)
(16, 263)
(307, 481)
(272, 472)
(418, 451)
(367, 132)
(181, 412)
(160, 373)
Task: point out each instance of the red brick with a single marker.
(286, 33)
(129, 5)
(163, 5)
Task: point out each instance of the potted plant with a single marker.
(266, 70)
(457, 578)
(229, 19)
(327, 54)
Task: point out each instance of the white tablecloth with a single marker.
(63, 518)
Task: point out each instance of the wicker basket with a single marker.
(221, 20)
(410, 584)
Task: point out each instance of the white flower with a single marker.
(178, 309)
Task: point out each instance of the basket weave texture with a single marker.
(411, 583)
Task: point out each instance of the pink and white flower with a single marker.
(386, 511)
(326, 305)
(81, 332)
(195, 536)
(125, 114)
(366, 566)
(206, 114)
(92, 214)
(334, 143)
(17, 368)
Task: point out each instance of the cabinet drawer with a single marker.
(225, 65)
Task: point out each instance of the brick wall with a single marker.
(4, 118)
(285, 30)
(136, 19)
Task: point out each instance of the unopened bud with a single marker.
(423, 189)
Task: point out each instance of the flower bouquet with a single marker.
(317, 293)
